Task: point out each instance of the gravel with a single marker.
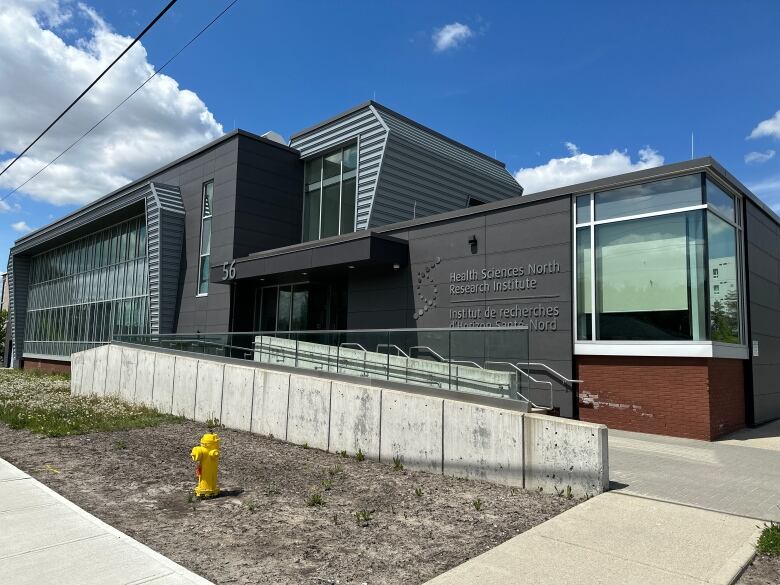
(765, 570)
(261, 529)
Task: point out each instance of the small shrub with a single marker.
(327, 484)
(477, 504)
(397, 465)
(359, 455)
(315, 499)
(418, 492)
(213, 423)
(306, 445)
(343, 453)
(363, 517)
(769, 541)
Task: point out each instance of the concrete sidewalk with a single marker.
(617, 539)
(45, 539)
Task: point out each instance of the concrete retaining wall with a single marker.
(427, 432)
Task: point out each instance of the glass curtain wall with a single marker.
(84, 292)
(330, 193)
(658, 262)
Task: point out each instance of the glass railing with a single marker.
(476, 360)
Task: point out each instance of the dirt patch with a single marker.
(263, 531)
(764, 570)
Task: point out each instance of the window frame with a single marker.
(203, 218)
(591, 225)
(322, 183)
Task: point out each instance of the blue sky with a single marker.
(561, 89)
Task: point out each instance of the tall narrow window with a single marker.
(205, 238)
(330, 193)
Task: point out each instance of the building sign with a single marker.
(496, 296)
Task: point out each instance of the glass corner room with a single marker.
(659, 262)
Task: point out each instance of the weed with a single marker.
(343, 453)
(120, 444)
(213, 423)
(190, 498)
(569, 495)
(558, 492)
(251, 506)
(359, 455)
(477, 504)
(363, 517)
(335, 470)
(513, 491)
(397, 465)
(336, 519)
(418, 492)
(327, 484)
(315, 499)
(769, 541)
(306, 445)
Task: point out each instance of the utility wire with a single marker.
(91, 85)
(120, 104)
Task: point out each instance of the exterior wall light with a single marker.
(473, 244)
(396, 266)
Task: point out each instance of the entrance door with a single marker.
(305, 306)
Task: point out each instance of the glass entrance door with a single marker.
(305, 306)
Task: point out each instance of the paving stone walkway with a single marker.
(738, 476)
(47, 540)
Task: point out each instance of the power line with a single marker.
(120, 104)
(91, 85)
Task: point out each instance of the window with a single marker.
(670, 274)
(649, 197)
(720, 201)
(78, 306)
(329, 196)
(205, 238)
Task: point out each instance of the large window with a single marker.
(330, 193)
(205, 238)
(658, 262)
(85, 291)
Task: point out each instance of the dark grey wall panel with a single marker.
(763, 276)
(533, 238)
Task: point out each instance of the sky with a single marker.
(562, 92)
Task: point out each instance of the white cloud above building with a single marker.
(767, 128)
(579, 167)
(451, 36)
(160, 123)
(757, 158)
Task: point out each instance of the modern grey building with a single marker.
(652, 298)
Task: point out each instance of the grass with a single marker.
(315, 499)
(43, 404)
(477, 504)
(769, 541)
(363, 517)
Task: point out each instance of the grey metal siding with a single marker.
(763, 276)
(425, 174)
(365, 126)
(165, 229)
(18, 284)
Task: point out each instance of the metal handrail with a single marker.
(555, 373)
(466, 362)
(438, 356)
(532, 379)
(388, 345)
(352, 344)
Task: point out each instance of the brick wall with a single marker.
(698, 398)
(48, 366)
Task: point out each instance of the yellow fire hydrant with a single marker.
(207, 457)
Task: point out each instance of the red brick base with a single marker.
(698, 398)
(48, 366)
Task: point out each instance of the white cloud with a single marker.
(579, 167)
(451, 36)
(768, 127)
(5, 207)
(21, 227)
(160, 123)
(756, 158)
